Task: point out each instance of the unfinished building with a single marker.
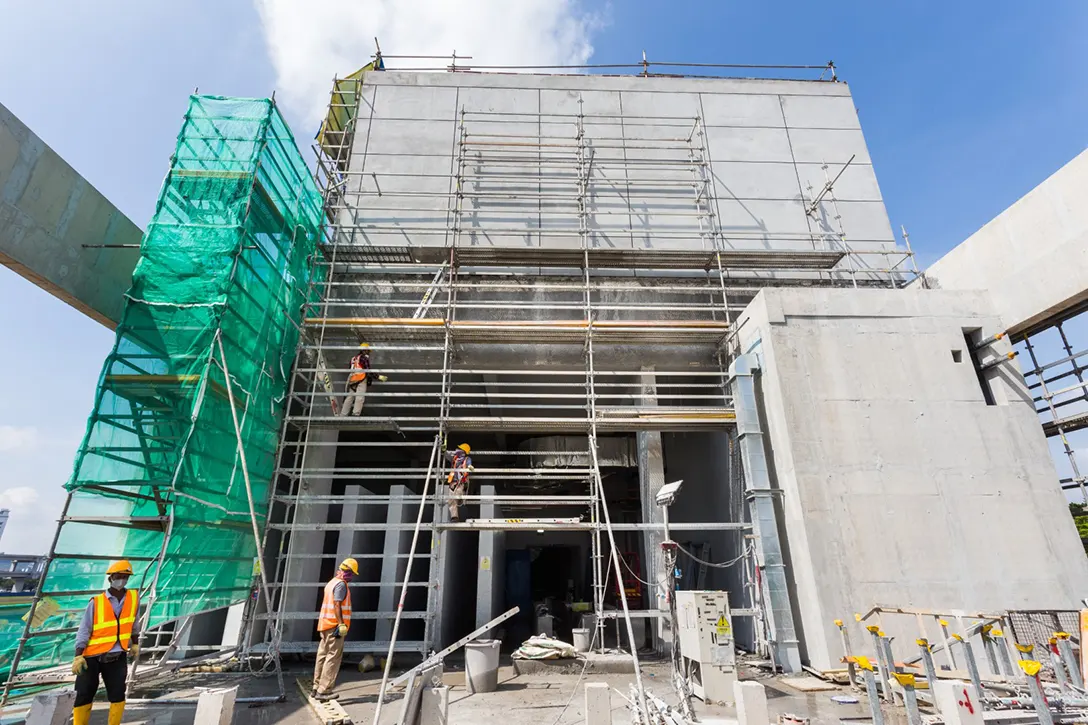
(600, 284)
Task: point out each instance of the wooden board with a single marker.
(327, 712)
(805, 683)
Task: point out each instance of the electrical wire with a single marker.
(636, 576)
(722, 565)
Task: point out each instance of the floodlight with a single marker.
(667, 493)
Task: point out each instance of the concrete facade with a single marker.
(48, 213)
(900, 485)
(767, 142)
(1033, 257)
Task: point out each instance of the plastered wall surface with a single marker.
(900, 485)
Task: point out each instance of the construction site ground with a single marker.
(522, 699)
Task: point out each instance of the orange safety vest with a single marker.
(108, 629)
(326, 620)
(357, 364)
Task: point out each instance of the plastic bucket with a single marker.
(482, 666)
(580, 639)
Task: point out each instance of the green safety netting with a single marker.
(227, 258)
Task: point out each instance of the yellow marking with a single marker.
(864, 663)
(838, 623)
(1030, 667)
(905, 679)
(1025, 648)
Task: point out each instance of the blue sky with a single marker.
(965, 106)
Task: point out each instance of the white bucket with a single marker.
(581, 639)
(482, 666)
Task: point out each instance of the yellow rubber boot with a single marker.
(117, 709)
(82, 715)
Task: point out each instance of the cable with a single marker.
(724, 565)
(636, 576)
(574, 692)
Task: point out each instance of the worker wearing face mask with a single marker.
(107, 637)
(332, 627)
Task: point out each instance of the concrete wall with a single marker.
(1033, 257)
(901, 486)
(47, 213)
(766, 142)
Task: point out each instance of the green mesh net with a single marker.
(224, 272)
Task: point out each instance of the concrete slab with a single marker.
(1033, 256)
(53, 224)
(893, 469)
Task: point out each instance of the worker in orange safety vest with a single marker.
(357, 381)
(457, 480)
(332, 626)
(108, 635)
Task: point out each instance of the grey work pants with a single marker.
(353, 401)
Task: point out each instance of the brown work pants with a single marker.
(329, 653)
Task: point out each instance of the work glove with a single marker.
(342, 630)
(79, 665)
(133, 651)
(472, 468)
(383, 379)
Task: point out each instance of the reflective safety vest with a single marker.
(107, 628)
(326, 620)
(357, 365)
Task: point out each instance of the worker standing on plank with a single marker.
(107, 633)
(357, 381)
(457, 480)
(332, 627)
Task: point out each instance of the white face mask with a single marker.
(118, 582)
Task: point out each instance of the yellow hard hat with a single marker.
(465, 447)
(351, 565)
(120, 567)
(364, 345)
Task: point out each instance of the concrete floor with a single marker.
(527, 699)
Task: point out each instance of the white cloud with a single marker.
(308, 47)
(17, 497)
(13, 437)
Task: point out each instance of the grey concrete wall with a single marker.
(901, 486)
(1033, 257)
(766, 143)
(47, 213)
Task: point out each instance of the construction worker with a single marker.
(332, 626)
(357, 381)
(457, 480)
(109, 630)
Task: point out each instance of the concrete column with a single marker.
(216, 707)
(651, 477)
(434, 706)
(51, 708)
(751, 699)
(958, 702)
(394, 565)
(598, 704)
(489, 572)
(309, 543)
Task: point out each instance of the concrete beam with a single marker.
(53, 225)
(651, 477)
(751, 699)
(51, 708)
(216, 707)
(394, 565)
(598, 704)
(489, 576)
(1032, 257)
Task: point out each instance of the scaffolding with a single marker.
(174, 469)
(499, 304)
(1057, 376)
